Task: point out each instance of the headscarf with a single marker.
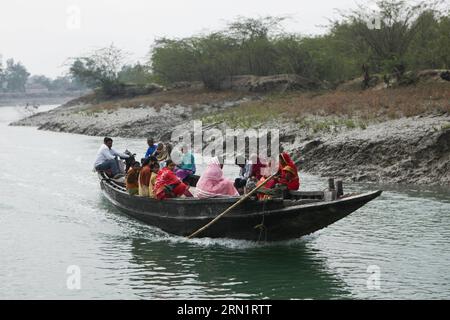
(287, 159)
(163, 155)
(290, 167)
(212, 183)
(164, 178)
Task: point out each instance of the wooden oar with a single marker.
(232, 207)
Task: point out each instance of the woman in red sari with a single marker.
(288, 174)
(256, 167)
(168, 185)
(289, 178)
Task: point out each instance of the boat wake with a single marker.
(156, 235)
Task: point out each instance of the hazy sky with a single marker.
(43, 34)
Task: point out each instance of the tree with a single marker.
(293, 56)
(388, 43)
(430, 47)
(174, 60)
(244, 47)
(443, 42)
(100, 68)
(137, 74)
(254, 36)
(66, 83)
(2, 75)
(42, 80)
(216, 58)
(16, 76)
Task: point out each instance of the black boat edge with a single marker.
(272, 220)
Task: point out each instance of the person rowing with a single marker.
(287, 177)
(106, 159)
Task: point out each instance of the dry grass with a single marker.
(327, 111)
(391, 103)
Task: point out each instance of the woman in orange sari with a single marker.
(168, 185)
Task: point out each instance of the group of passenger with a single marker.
(159, 177)
(254, 172)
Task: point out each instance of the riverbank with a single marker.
(387, 136)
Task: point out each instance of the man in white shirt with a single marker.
(106, 158)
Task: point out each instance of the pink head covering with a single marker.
(212, 183)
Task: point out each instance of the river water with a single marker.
(60, 239)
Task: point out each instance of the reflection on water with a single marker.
(165, 266)
(255, 271)
(52, 216)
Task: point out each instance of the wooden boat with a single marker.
(272, 220)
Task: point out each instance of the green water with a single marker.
(52, 216)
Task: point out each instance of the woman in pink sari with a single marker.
(212, 183)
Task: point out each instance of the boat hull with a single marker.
(252, 220)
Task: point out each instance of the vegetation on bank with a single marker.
(402, 36)
(328, 110)
(399, 36)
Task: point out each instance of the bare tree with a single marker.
(100, 68)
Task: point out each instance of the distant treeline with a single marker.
(14, 77)
(401, 37)
(396, 37)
